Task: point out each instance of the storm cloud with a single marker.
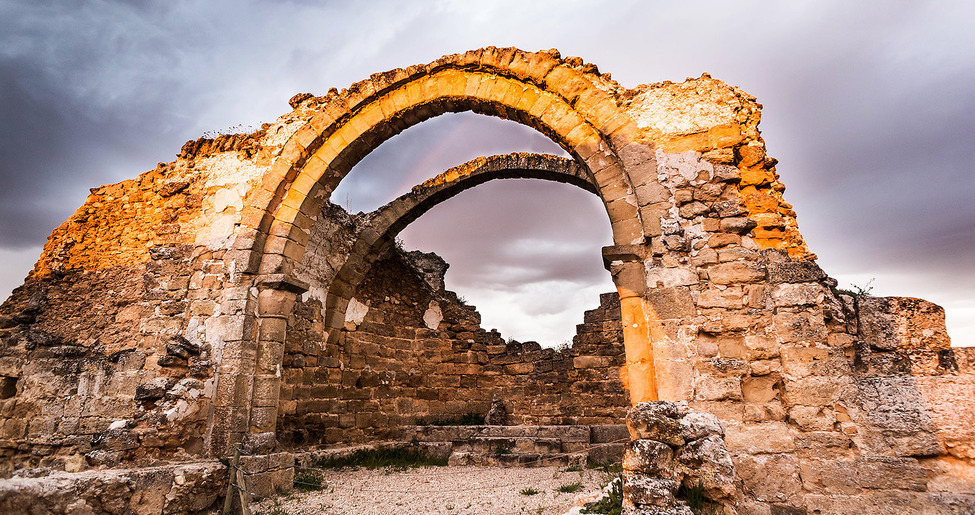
(868, 107)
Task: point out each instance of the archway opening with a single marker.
(524, 252)
(410, 352)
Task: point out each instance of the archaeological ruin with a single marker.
(221, 303)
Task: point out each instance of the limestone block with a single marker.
(693, 210)
(829, 476)
(737, 225)
(770, 478)
(735, 272)
(697, 425)
(760, 346)
(672, 303)
(805, 361)
(812, 418)
(761, 389)
(706, 462)
(718, 388)
(649, 491)
(888, 323)
(942, 396)
(800, 294)
(650, 457)
(662, 277)
(815, 390)
(723, 239)
(894, 417)
(799, 326)
(891, 473)
(729, 208)
(729, 298)
(591, 361)
(763, 438)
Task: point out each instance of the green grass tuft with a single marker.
(308, 480)
(528, 491)
(394, 457)
(570, 488)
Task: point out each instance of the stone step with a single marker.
(509, 446)
(609, 433)
(455, 433)
(516, 460)
(515, 445)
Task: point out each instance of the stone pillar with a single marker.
(267, 471)
(275, 300)
(625, 262)
(231, 400)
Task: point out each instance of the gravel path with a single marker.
(442, 490)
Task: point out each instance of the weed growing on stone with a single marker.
(574, 468)
(696, 501)
(569, 488)
(395, 457)
(468, 419)
(501, 451)
(855, 290)
(611, 504)
(608, 466)
(528, 491)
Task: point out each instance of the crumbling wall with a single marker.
(413, 353)
(110, 348)
(97, 370)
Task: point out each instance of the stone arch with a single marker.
(566, 99)
(387, 221)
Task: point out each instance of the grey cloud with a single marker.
(868, 106)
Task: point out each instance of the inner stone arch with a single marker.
(382, 225)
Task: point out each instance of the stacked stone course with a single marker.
(391, 370)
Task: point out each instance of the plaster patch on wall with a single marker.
(433, 315)
(356, 312)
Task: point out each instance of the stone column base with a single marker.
(268, 474)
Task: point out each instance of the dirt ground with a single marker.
(442, 490)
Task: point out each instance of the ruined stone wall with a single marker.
(106, 366)
(157, 320)
(705, 118)
(417, 355)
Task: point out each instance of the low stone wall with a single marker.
(182, 488)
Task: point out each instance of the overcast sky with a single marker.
(869, 106)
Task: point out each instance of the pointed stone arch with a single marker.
(565, 99)
(387, 221)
